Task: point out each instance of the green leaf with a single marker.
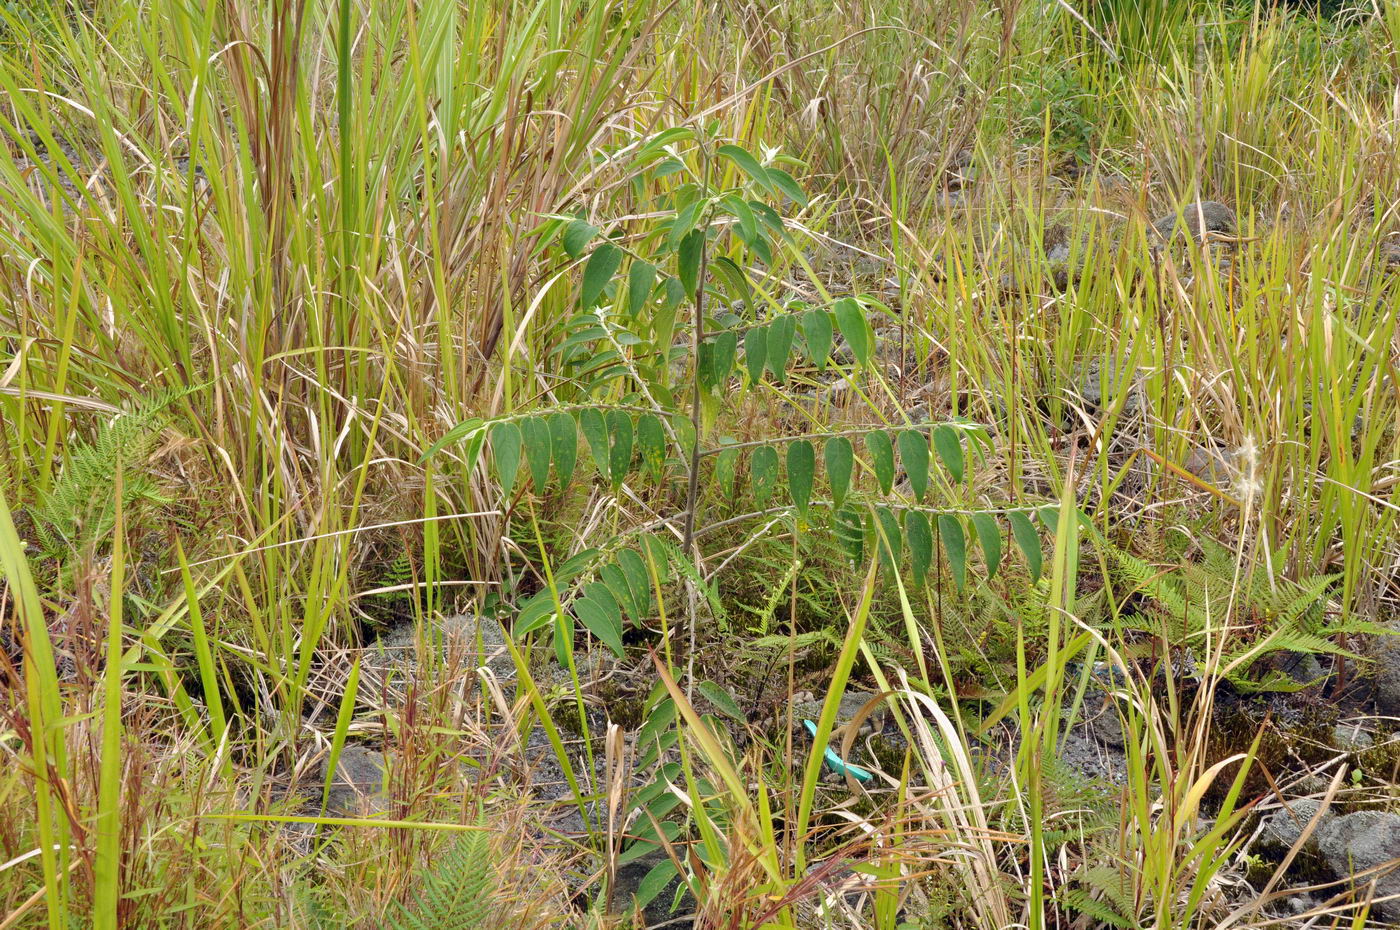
(647, 842)
(756, 351)
(717, 359)
(638, 581)
(602, 265)
(724, 701)
(595, 430)
(1027, 540)
(616, 580)
(850, 319)
(780, 333)
(535, 434)
(505, 454)
(920, 538)
(651, 443)
(816, 329)
(563, 442)
(688, 260)
(801, 469)
(640, 279)
(954, 547)
(881, 458)
(840, 457)
(535, 613)
(619, 445)
(726, 467)
(655, 881)
(734, 277)
(888, 538)
(949, 446)
(747, 164)
(467, 428)
(764, 466)
(656, 145)
(784, 182)
(913, 452)
(850, 532)
(989, 537)
(741, 211)
(684, 222)
(601, 618)
(577, 235)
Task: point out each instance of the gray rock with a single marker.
(1102, 720)
(1361, 841)
(1349, 736)
(1384, 652)
(1213, 464)
(358, 785)
(1389, 258)
(809, 707)
(1282, 828)
(1099, 384)
(1197, 220)
(475, 640)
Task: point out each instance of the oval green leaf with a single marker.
(534, 432)
(780, 333)
(949, 446)
(950, 529)
(651, 443)
(919, 535)
(726, 467)
(619, 445)
(602, 265)
(913, 453)
(688, 260)
(989, 538)
(881, 458)
(764, 466)
(505, 454)
(801, 469)
(563, 442)
(602, 619)
(641, 277)
(839, 456)
(756, 351)
(595, 431)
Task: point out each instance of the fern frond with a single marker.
(1080, 901)
(457, 894)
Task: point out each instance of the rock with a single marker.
(1282, 828)
(809, 707)
(1350, 737)
(395, 654)
(1384, 652)
(358, 785)
(1099, 384)
(1212, 464)
(1198, 220)
(1302, 668)
(1102, 720)
(1361, 841)
(1389, 258)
